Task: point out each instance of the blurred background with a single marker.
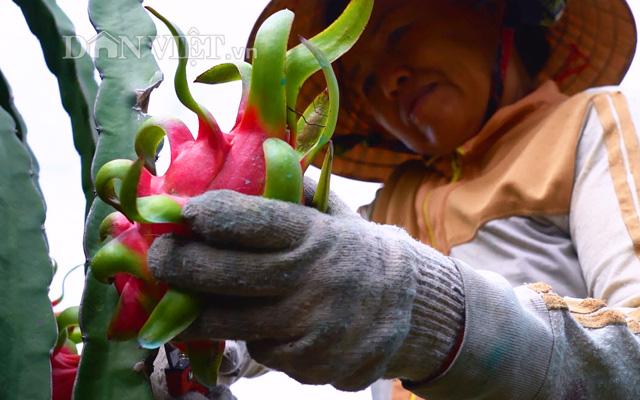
(227, 25)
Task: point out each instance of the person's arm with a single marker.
(326, 298)
(573, 348)
(336, 299)
(604, 219)
(527, 343)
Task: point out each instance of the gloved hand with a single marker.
(325, 298)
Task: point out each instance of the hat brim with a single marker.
(592, 45)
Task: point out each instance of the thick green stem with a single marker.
(106, 369)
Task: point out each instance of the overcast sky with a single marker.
(37, 98)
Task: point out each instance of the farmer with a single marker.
(517, 193)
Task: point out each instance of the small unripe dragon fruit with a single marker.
(64, 356)
(265, 154)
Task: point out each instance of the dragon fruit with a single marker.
(64, 368)
(64, 356)
(266, 153)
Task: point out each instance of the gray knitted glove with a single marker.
(325, 298)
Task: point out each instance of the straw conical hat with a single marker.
(592, 45)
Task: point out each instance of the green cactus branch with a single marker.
(105, 370)
(75, 76)
(6, 103)
(26, 275)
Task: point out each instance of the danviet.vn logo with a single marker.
(211, 47)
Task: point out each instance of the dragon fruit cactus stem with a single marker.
(265, 154)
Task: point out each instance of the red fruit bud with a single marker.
(64, 367)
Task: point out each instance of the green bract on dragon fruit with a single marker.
(265, 154)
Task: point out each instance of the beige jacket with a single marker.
(548, 192)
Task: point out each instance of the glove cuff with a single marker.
(237, 363)
(437, 318)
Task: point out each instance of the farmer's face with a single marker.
(424, 67)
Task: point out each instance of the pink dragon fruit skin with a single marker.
(64, 368)
(64, 356)
(181, 181)
(258, 157)
(244, 168)
(134, 306)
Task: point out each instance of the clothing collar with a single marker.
(544, 96)
(504, 120)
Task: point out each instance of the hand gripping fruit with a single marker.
(265, 154)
